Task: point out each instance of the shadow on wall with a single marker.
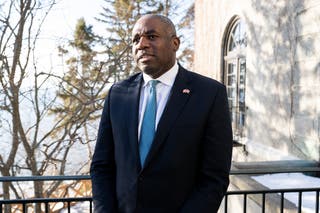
(283, 77)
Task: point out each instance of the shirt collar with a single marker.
(166, 78)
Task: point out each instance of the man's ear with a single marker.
(176, 43)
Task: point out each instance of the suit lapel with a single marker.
(176, 102)
(132, 105)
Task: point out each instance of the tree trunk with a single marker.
(6, 196)
(38, 192)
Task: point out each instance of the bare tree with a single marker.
(33, 146)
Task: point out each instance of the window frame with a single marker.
(234, 74)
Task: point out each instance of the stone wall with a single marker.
(283, 69)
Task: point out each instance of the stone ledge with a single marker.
(272, 201)
(254, 201)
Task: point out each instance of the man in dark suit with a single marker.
(185, 165)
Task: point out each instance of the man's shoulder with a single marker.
(203, 80)
(131, 80)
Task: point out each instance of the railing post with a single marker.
(24, 208)
(226, 204)
(317, 201)
(263, 202)
(300, 202)
(47, 207)
(282, 202)
(244, 202)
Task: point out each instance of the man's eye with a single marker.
(135, 40)
(151, 37)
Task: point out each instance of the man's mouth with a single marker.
(145, 57)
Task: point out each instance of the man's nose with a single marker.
(143, 43)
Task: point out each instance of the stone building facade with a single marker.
(267, 53)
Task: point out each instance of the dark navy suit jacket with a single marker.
(187, 168)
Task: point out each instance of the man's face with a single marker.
(153, 46)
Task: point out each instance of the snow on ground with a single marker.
(293, 180)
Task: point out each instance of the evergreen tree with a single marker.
(83, 87)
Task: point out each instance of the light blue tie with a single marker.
(149, 122)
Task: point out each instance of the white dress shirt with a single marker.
(163, 89)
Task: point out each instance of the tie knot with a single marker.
(153, 83)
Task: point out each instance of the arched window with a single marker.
(234, 74)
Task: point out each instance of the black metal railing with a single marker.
(312, 168)
(244, 193)
(45, 202)
(282, 192)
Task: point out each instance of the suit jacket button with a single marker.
(140, 178)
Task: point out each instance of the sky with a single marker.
(60, 24)
(63, 16)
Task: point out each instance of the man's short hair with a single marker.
(165, 20)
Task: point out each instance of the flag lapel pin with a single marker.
(186, 91)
